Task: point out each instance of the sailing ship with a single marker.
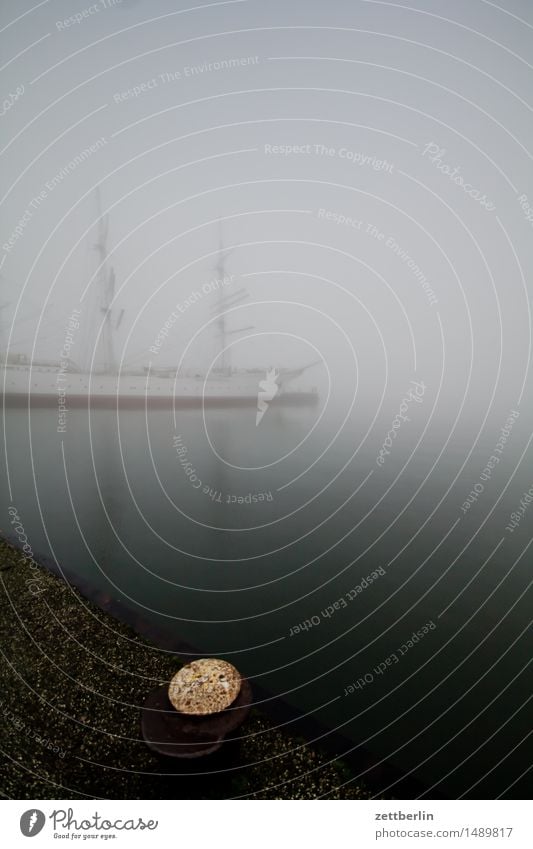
(37, 382)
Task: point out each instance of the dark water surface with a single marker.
(273, 526)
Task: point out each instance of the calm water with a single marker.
(271, 526)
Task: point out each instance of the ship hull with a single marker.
(132, 402)
(46, 387)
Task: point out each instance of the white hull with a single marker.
(47, 386)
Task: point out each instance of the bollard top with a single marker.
(204, 687)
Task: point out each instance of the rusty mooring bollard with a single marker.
(206, 701)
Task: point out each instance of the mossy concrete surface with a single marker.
(72, 682)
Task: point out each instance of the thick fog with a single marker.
(366, 171)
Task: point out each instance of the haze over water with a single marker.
(365, 168)
(237, 579)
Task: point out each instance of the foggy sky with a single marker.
(361, 89)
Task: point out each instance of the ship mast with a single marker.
(3, 351)
(107, 289)
(225, 303)
(220, 268)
